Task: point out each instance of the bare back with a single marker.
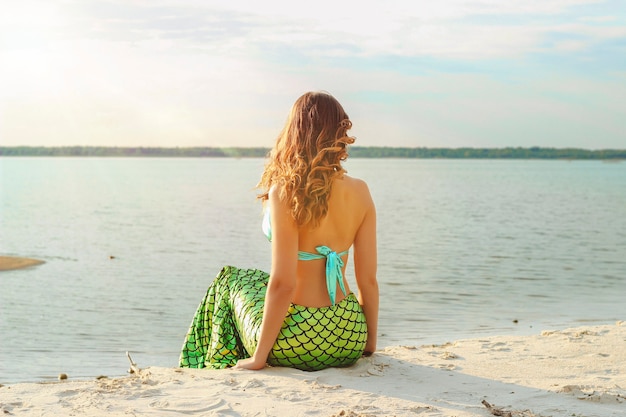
(349, 224)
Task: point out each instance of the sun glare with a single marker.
(19, 17)
(30, 58)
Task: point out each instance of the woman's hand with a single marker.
(250, 363)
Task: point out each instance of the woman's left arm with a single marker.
(282, 281)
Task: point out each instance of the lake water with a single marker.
(466, 247)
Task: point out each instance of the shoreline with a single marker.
(533, 153)
(9, 263)
(577, 371)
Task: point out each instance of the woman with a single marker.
(302, 314)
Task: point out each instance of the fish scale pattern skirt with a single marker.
(227, 323)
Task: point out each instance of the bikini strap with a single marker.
(334, 265)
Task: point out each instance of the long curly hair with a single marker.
(307, 156)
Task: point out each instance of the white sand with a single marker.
(576, 373)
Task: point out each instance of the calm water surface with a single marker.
(465, 248)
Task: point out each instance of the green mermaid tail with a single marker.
(227, 322)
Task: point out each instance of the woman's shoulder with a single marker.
(355, 188)
(355, 183)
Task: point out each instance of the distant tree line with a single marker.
(534, 152)
(104, 151)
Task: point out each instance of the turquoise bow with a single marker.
(334, 265)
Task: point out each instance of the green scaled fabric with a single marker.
(227, 322)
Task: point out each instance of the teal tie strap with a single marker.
(334, 265)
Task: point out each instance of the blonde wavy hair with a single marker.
(307, 156)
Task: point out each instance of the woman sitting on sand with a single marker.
(302, 314)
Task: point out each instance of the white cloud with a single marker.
(206, 73)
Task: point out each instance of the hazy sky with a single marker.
(449, 73)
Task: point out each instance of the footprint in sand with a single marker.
(291, 396)
(497, 347)
(253, 383)
(159, 404)
(7, 409)
(596, 394)
(448, 355)
(377, 369)
(219, 407)
(325, 387)
(68, 393)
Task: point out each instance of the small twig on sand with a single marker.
(496, 411)
(134, 369)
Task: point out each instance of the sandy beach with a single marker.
(577, 372)
(13, 262)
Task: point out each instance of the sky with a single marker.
(414, 73)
